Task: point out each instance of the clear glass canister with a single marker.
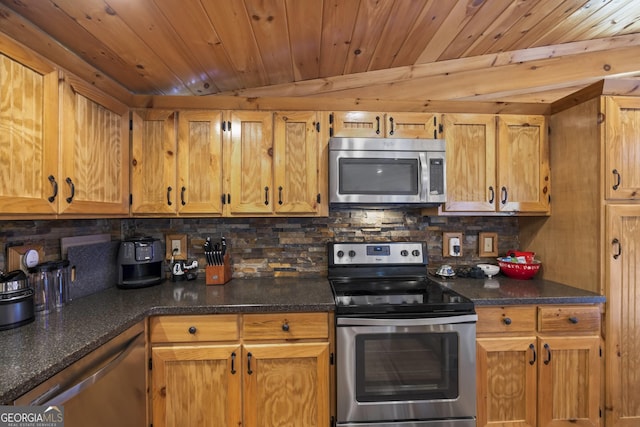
(41, 279)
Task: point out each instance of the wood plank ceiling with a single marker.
(482, 50)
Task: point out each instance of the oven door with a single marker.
(406, 369)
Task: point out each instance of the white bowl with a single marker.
(490, 270)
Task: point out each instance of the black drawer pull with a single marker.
(533, 352)
(573, 319)
(507, 321)
(192, 330)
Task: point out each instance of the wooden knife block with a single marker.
(218, 274)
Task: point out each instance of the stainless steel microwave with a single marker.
(389, 171)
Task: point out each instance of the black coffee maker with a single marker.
(140, 263)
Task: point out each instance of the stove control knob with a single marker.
(404, 252)
(340, 254)
(415, 252)
(352, 253)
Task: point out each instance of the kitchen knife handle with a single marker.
(53, 182)
(249, 371)
(266, 196)
(169, 195)
(182, 191)
(533, 353)
(73, 190)
(280, 195)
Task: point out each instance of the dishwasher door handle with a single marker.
(60, 393)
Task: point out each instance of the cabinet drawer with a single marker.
(506, 319)
(569, 319)
(285, 326)
(223, 327)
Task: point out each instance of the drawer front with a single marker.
(219, 327)
(506, 319)
(285, 326)
(569, 319)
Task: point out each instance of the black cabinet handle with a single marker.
(492, 193)
(233, 363)
(573, 319)
(616, 242)
(53, 182)
(507, 321)
(280, 195)
(249, 371)
(192, 330)
(285, 326)
(377, 125)
(182, 190)
(504, 195)
(533, 354)
(391, 121)
(266, 196)
(73, 190)
(169, 196)
(616, 175)
(548, 359)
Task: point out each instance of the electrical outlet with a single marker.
(451, 244)
(176, 247)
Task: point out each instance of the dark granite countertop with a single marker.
(501, 290)
(32, 353)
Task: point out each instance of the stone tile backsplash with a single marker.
(268, 247)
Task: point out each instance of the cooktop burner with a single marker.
(388, 278)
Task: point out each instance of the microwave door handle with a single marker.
(422, 189)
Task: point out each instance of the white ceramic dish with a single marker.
(490, 270)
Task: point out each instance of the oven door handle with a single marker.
(414, 321)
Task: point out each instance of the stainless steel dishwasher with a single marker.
(105, 388)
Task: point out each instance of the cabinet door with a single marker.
(94, 131)
(153, 163)
(296, 152)
(506, 381)
(196, 385)
(28, 132)
(471, 162)
(569, 381)
(249, 167)
(286, 385)
(523, 164)
(411, 125)
(623, 323)
(622, 171)
(356, 124)
(200, 162)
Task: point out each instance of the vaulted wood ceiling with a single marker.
(472, 50)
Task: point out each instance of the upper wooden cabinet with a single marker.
(63, 143)
(384, 125)
(299, 164)
(94, 132)
(622, 151)
(28, 134)
(228, 163)
(153, 162)
(249, 177)
(496, 164)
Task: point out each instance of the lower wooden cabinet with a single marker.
(249, 381)
(529, 378)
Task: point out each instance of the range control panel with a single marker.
(397, 253)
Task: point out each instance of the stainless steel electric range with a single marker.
(405, 345)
